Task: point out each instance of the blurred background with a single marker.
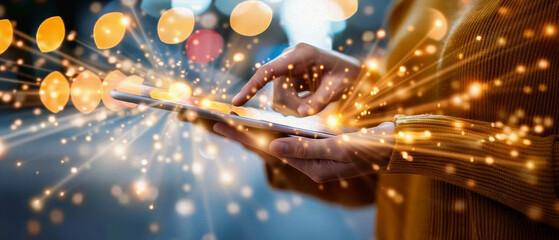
(144, 174)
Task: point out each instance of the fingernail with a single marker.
(279, 148)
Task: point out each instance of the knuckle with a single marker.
(302, 46)
(301, 151)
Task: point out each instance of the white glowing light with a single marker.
(140, 186)
(233, 208)
(283, 206)
(226, 178)
(185, 207)
(262, 215)
(246, 192)
(36, 204)
(74, 170)
(197, 168)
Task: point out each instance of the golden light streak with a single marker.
(6, 34)
(109, 30)
(251, 18)
(50, 34)
(54, 92)
(175, 25)
(86, 92)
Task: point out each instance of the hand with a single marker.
(323, 160)
(325, 74)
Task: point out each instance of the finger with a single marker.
(292, 62)
(285, 98)
(305, 148)
(320, 171)
(326, 93)
(247, 137)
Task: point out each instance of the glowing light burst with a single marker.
(251, 18)
(109, 30)
(204, 46)
(86, 92)
(54, 92)
(175, 25)
(6, 34)
(50, 34)
(177, 91)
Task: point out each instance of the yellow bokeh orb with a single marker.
(251, 18)
(340, 10)
(54, 92)
(6, 35)
(111, 82)
(50, 34)
(109, 30)
(131, 85)
(175, 25)
(86, 92)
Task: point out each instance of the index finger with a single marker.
(293, 61)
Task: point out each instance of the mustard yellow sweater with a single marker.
(476, 155)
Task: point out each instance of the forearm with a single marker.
(508, 166)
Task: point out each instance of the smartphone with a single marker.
(308, 127)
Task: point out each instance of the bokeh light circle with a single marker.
(54, 92)
(154, 8)
(198, 6)
(439, 24)
(339, 10)
(110, 83)
(251, 18)
(204, 46)
(226, 6)
(209, 20)
(175, 25)
(50, 34)
(6, 35)
(109, 30)
(86, 92)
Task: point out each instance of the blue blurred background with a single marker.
(98, 204)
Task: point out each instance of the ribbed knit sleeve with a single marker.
(507, 165)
